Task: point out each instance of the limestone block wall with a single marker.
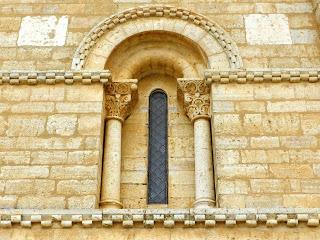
(50, 145)
(44, 34)
(266, 139)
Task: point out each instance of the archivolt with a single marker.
(96, 47)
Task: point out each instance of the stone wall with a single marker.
(44, 34)
(50, 145)
(267, 139)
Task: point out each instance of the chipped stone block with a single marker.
(43, 31)
(264, 29)
(8, 201)
(8, 39)
(26, 125)
(294, 7)
(82, 202)
(64, 125)
(74, 172)
(30, 172)
(75, 187)
(90, 125)
(48, 157)
(41, 202)
(304, 36)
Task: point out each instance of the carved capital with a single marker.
(120, 98)
(194, 94)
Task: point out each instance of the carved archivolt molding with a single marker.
(194, 94)
(215, 34)
(120, 99)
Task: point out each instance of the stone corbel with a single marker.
(121, 97)
(195, 96)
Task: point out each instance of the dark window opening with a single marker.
(158, 148)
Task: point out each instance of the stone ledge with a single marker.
(271, 217)
(263, 75)
(54, 77)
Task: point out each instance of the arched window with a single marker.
(158, 148)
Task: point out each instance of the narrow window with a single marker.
(158, 148)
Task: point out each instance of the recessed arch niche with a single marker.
(156, 45)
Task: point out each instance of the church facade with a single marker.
(159, 119)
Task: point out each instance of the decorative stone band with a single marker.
(262, 75)
(168, 217)
(158, 11)
(121, 97)
(194, 94)
(54, 77)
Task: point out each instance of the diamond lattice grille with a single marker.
(158, 148)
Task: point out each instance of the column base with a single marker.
(204, 203)
(111, 203)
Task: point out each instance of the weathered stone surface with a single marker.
(243, 171)
(43, 31)
(75, 187)
(264, 142)
(39, 202)
(82, 202)
(63, 125)
(73, 172)
(231, 142)
(90, 125)
(8, 201)
(226, 157)
(291, 170)
(17, 172)
(262, 29)
(304, 36)
(85, 107)
(49, 157)
(14, 158)
(227, 124)
(265, 186)
(28, 107)
(8, 39)
(30, 187)
(26, 125)
(40, 93)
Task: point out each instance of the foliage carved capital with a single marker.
(120, 99)
(195, 96)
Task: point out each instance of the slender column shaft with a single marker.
(111, 178)
(203, 164)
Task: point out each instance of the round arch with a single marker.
(97, 46)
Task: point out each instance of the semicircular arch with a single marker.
(97, 46)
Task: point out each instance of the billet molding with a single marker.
(156, 11)
(169, 218)
(54, 77)
(311, 75)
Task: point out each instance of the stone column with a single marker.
(120, 98)
(196, 101)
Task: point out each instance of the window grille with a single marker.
(158, 148)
